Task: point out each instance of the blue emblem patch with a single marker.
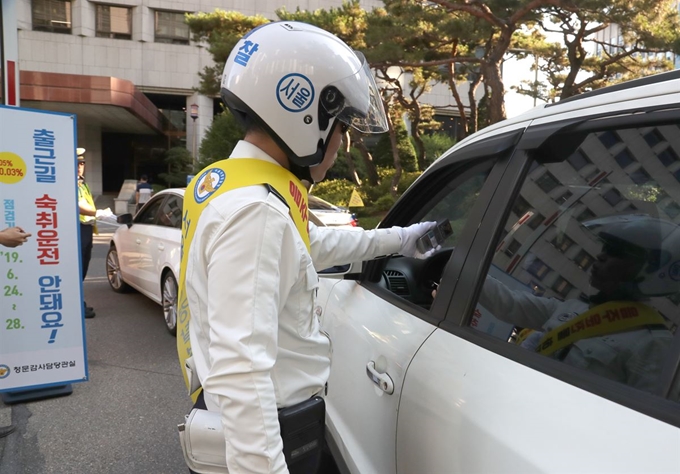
(674, 271)
(4, 371)
(295, 92)
(208, 183)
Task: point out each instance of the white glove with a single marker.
(105, 215)
(101, 213)
(409, 236)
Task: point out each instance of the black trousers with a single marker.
(86, 242)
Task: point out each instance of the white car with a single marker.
(330, 214)
(145, 252)
(446, 384)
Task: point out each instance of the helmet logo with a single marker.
(295, 92)
(245, 52)
(208, 183)
(674, 271)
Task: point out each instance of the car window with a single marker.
(148, 214)
(455, 193)
(587, 269)
(171, 213)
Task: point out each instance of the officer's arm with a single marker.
(516, 307)
(332, 246)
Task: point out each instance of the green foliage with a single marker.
(220, 139)
(436, 144)
(336, 191)
(377, 199)
(221, 30)
(382, 154)
(179, 161)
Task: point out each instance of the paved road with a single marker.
(124, 419)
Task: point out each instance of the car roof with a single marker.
(659, 89)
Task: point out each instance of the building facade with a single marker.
(129, 71)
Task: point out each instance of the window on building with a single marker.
(536, 220)
(653, 138)
(562, 243)
(114, 22)
(562, 287)
(520, 207)
(512, 248)
(584, 260)
(51, 15)
(538, 268)
(547, 182)
(592, 175)
(564, 197)
(585, 215)
(171, 27)
(640, 176)
(578, 160)
(613, 197)
(624, 158)
(668, 156)
(672, 209)
(609, 139)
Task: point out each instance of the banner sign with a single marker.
(42, 330)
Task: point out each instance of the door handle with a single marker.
(384, 381)
(161, 247)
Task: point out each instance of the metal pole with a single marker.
(194, 145)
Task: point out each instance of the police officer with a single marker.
(250, 263)
(88, 219)
(639, 260)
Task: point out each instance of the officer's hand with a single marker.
(409, 236)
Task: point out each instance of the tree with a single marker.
(179, 161)
(220, 139)
(646, 27)
(221, 30)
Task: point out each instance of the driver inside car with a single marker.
(615, 333)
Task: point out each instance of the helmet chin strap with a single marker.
(301, 172)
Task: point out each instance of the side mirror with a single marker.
(347, 272)
(125, 219)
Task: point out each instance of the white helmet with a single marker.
(653, 242)
(296, 81)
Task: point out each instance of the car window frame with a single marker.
(147, 205)
(532, 148)
(169, 197)
(424, 194)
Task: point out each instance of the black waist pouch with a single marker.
(302, 431)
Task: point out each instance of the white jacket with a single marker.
(633, 357)
(255, 338)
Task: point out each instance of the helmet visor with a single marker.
(362, 108)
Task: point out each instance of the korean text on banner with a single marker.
(42, 332)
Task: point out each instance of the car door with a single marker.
(135, 245)
(377, 325)
(165, 242)
(476, 398)
(158, 241)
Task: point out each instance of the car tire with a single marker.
(169, 302)
(113, 273)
